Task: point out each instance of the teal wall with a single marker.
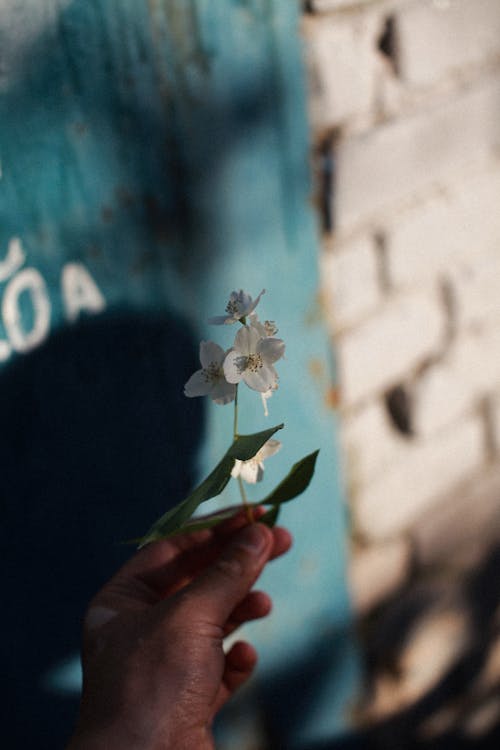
(154, 157)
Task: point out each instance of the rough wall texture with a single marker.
(405, 110)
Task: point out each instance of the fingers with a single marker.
(240, 663)
(282, 541)
(167, 565)
(180, 559)
(155, 555)
(255, 605)
(215, 593)
(162, 568)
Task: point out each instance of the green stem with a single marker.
(235, 423)
(243, 493)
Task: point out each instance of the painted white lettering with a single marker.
(5, 350)
(79, 291)
(13, 260)
(29, 280)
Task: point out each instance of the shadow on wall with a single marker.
(115, 132)
(112, 130)
(433, 658)
(97, 440)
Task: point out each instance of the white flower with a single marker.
(267, 328)
(266, 396)
(252, 470)
(210, 379)
(239, 306)
(251, 359)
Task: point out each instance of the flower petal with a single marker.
(257, 325)
(271, 349)
(236, 470)
(252, 471)
(264, 397)
(246, 340)
(197, 385)
(255, 302)
(260, 380)
(269, 449)
(210, 352)
(223, 392)
(239, 306)
(234, 367)
(220, 320)
(242, 300)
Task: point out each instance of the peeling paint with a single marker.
(317, 369)
(333, 397)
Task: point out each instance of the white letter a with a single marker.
(79, 291)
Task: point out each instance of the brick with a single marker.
(477, 288)
(329, 5)
(463, 525)
(495, 418)
(436, 41)
(441, 396)
(375, 572)
(350, 288)
(386, 347)
(342, 62)
(432, 467)
(370, 444)
(454, 385)
(433, 236)
(382, 169)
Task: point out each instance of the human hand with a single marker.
(154, 669)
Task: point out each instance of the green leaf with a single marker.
(198, 523)
(296, 481)
(270, 518)
(246, 446)
(243, 448)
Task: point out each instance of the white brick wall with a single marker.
(390, 504)
(477, 285)
(377, 353)
(370, 426)
(377, 171)
(445, 392)
(442, 230)
(350, 92)
(407, 94)
(411, 274)
(329, 5)
(377, 571)
(496, 418)
(453, 527)
(437, 40)
(350, 282)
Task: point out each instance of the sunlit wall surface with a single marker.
(405, 105)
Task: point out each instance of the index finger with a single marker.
(176, 562)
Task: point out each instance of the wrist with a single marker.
(111, 738)
(106, 739)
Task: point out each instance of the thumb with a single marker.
(214, 594)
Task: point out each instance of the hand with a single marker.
(154, 670)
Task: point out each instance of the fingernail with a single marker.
(252, 538)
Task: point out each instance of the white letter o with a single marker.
(29, 280)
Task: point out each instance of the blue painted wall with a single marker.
(154, 157)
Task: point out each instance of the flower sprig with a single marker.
(250, 360)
